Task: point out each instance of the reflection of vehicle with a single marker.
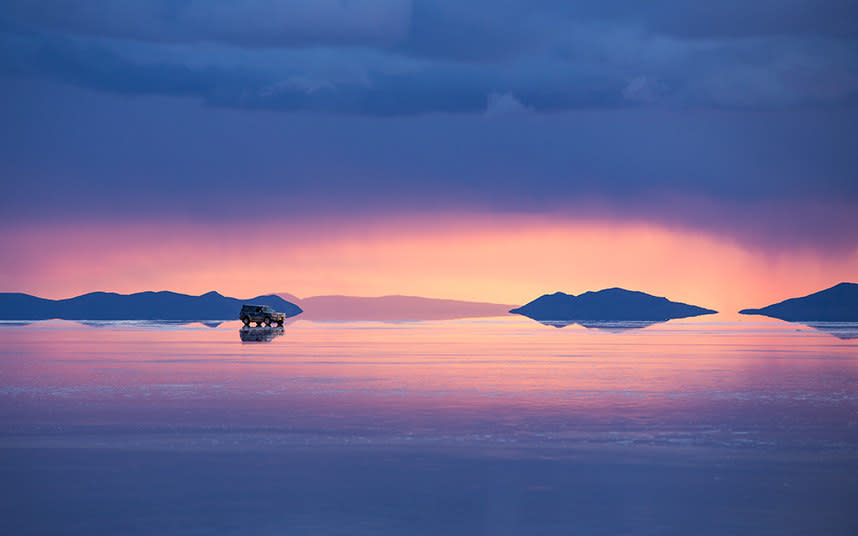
(263, 315)
(260, 334)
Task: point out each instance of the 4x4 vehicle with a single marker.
(263, 315)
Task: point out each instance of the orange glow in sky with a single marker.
(509, 260)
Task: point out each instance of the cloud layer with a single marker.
(395, 57)
(736, 118)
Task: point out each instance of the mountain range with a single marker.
(591, 309)
(212, 306)
(162, 305)
(392, 308)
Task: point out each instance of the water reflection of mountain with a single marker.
(263, 334)
(842, 330)
(152, 323)
(602, 325)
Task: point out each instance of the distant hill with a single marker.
(390, 308)
(836, 304)
(612, 304)
(140, 306)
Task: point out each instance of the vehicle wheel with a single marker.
(267, 320)
(245, 320)
(280, 323)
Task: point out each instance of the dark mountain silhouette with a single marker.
(836, 304)
(392, 308)
(140, 306)
(612, 304)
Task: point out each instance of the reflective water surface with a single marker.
(499, 425)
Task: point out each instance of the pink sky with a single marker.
(505, 260)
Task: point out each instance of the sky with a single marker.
(491, 151)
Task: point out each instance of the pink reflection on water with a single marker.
(504, 377)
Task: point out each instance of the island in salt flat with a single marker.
(836, 304)
(170, 306)
(608, 305)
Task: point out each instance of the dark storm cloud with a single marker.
(431, 26)
(239, 22)
(394, 57)
(778, 177)
(493, 30)
(736, 117)
(727, 18)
